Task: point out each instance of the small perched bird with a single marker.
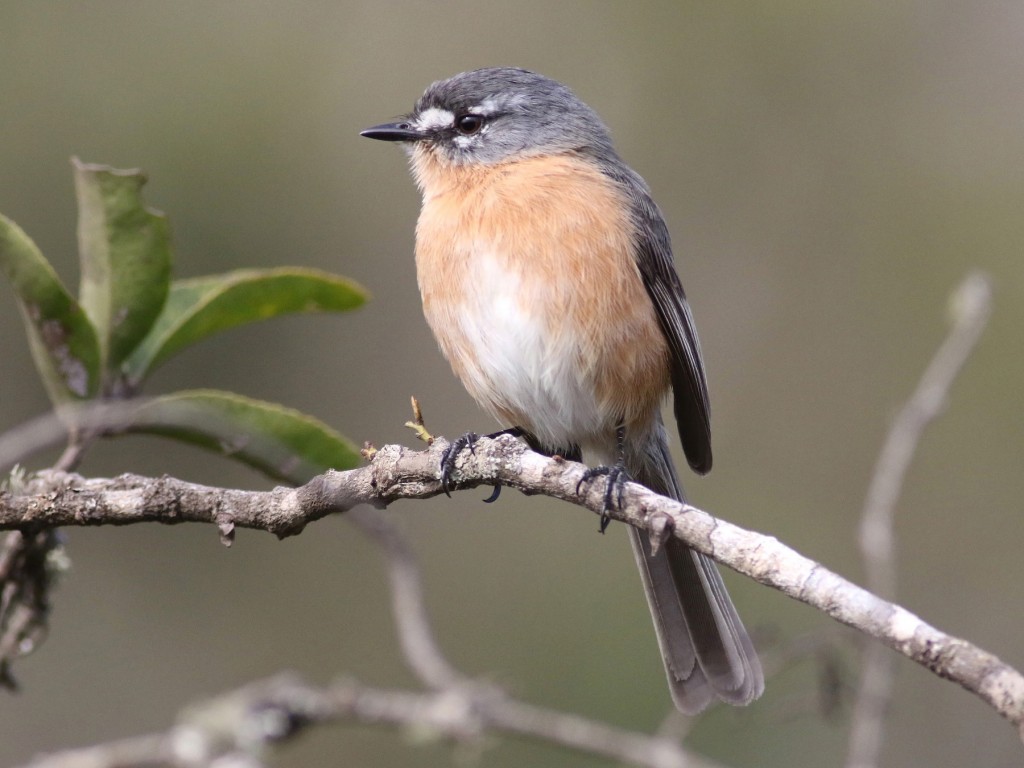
(547, 278)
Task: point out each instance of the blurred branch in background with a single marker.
(970, 308)
(236, 728)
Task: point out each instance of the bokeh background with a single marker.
(829, 170)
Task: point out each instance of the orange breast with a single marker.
(530, 285)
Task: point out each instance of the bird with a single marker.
(546, 274)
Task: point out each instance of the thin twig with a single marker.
(24, 560)
(29, 564)
(971, 306)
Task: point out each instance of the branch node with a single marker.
(226, 527)
(662, 527)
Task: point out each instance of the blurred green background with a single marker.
(829, 171)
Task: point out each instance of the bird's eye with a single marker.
(467, 125)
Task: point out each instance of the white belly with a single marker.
(512, 363)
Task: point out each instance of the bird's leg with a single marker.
(468, 440)
(617, 478)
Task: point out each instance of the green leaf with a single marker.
(125, 251)
(199, 307)
(280, 442)
(62, 339)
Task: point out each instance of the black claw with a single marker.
(452, 452)
(494, 494)
(589, 474)
(613, 490)
(514, 431)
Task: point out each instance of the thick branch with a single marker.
(54, 499)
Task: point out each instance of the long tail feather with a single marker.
(707, 652)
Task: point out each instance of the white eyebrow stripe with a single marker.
(434, 118)
(487, 107)
(492, 105)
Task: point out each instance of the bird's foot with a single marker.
(617, 479)
(452, 452)
(469, 440)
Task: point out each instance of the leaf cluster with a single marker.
(130, 316)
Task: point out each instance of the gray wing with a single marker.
(654, 259)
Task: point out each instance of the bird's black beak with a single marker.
(403, 131)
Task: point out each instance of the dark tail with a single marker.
(707, 652)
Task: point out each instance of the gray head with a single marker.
(492, 115)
